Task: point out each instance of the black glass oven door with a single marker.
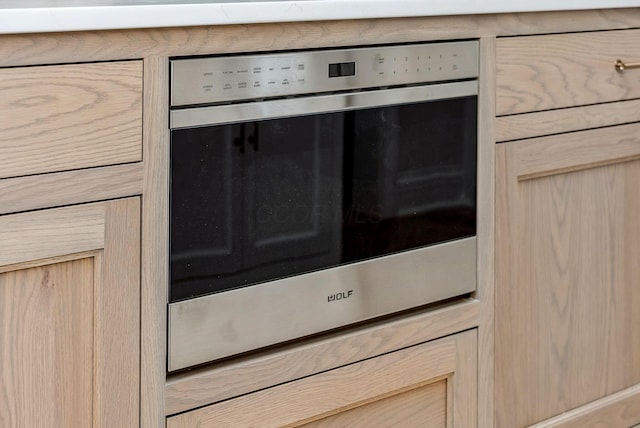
(254, 201)
(268, 199)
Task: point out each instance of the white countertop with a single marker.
(28, 16)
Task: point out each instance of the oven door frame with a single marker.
(220, 325)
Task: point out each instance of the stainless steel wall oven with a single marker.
(310, 190)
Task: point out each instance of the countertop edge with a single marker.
(18, 20)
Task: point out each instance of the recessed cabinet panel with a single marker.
(70, 316)
(567, 272)
(46, 339)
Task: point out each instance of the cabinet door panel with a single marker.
(69, 316)
(433, 384)
(45, 338)
(568, 277)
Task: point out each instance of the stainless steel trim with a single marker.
(215, 115)
(225, 324)
(215, 80)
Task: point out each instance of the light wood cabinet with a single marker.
(568, 277)
(535, 73)
(74, 106)
(70, 316)
(567, 231)
(71, 116)
(429, 385)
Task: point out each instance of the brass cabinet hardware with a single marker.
(621, 66)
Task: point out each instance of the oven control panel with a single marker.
(214, 80)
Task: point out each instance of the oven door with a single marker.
(295, 216)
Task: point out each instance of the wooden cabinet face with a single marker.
(536, 73)
(46, 337)
(568, 276)
(428, 385)
(72, 116)
(424, 407)
(69, 316)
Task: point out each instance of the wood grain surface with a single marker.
(155, 243)
(70, 187)
(69, 316)
(46, 336)
(567, 277)
(486, 229)
(367, 383)
(574, 151)
(616, 410)
(520, 126)
(424, 407)
(565, 70)
(116, 348)
(36, 236)
(63, 117)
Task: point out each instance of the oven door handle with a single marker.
(271, 109)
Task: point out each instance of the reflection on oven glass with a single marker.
(269, 199)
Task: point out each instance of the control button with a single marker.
(242, 85)
(257, 70)
(300, 66)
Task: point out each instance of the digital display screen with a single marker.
(342, 69)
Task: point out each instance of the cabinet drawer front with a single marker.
(564, 70)
(64, 117)
(428, 385)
